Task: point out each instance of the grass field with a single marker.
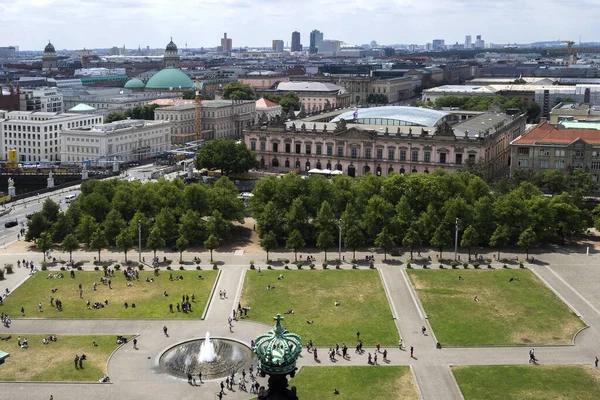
(531, 382)
(54, 361)
(355, 383)
(311, 294)
(148, 297)
(520, 312)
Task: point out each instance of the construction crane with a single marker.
(508, 48)
(198, 117)
(570, 52)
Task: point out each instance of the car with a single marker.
(10, 224)
(29, 216)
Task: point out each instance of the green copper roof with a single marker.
(170, 78)
(581, 124)
(278, 350)
(134, 84)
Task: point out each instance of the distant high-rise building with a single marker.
(296, 46)
(437, 44)
(278, 46)
(467, 42)
(226, 45)
(316, 38)
(479, 44)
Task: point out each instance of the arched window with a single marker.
(275, 162)
(318, 164)
(298, 164)
(287, 163)
(328, 165)
(262, 162)
(402, 170)
(307, 165)
(390, 170)
(338, 167)
(426, 171)
(378, 171)
(366, 169)
(414, 169)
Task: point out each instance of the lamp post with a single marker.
(140, 241)
(340, 241)
(456, 240)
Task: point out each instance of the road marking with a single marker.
(573, 289)
(557, 293)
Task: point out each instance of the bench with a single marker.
(3, 356)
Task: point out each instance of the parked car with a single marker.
(10, 224)
(29, 216)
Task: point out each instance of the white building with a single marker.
(128, 140)
(43, 99)
(36, 135)
(111, 99)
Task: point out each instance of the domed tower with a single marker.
(49, 59)
(171, 58)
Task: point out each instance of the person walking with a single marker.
(412, 352)
(375, 359)
(135, 343)
(165, 330)
(423, 330)
(315, 354)
(400, 343)
(357, 335)
(384, 355)
(596, 362)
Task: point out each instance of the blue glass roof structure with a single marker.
(395, 116)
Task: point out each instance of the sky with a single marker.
(72, 24)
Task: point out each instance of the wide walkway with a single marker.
(135, 374)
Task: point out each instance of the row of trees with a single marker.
(145, 111)
(375, 98)
(410, 211)
(170, 213)
(226, 155)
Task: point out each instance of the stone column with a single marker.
(50, 180)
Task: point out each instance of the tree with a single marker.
(36, 226)
(268, 242)
(217, 225)
(50, 210)
(527, 239)
(69, 244)
(61, 227)
(500, 238)
(167, 225)
(555, 181)
(182, 243)
(411, 240)
(377, 99)
(235, 90)
(353, 238)
(290, 101)
(44, 243)
(440, 238)
(385, 241)
(155, 240)
(324, 241)
(295, 242)
(226, 155)
(211, 243)
(113, 224)
(125, 241)
(469, 238)
(86, 228)
(98, 241)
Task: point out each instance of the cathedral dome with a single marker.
(49, 48)
(171, 46)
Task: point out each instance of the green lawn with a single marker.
(355, 383)
(532, 382)
(521, 312)
(54, 361)
(148, 297)
(312, 293)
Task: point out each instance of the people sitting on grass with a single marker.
(44, 341)
(94, 344)
(310, 322)
(126, 305)
(476, 299)
(289, 312)
(513, 278)
(165, 294)
(270, 287)
(336, 304)
(25, 344)
(200, 277)
(129, 284)
(280, 277)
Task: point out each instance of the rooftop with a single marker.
(580, 125)
(415, 116)
(545, 134)
(310, 87)
(264, 103)
(120, 125)
(481, 125)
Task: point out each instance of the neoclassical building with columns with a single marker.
(357, 150)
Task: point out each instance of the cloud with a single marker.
(106, 23)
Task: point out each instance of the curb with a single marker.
(113, 353)
(388, 295)
(238, 293)
(456, 387)
(412, 371)
(545, 282)
(210, 297)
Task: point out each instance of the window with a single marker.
(380, 154)
(595, 164)
(298, 148)
(427, 156)
(329, 150)
(523, 162)
(415, 155)
(544, 164)
(308, 148)
(523, 151)
(353, 152)
(340, 151)
(402, 155)
(443, 158)
(288, 147)
(558, 153)
(275, 147)
(319, 145)
(390, 154)
(253, 145)
(578, 153)
(458, 159)
(368, 152)
(544, 153)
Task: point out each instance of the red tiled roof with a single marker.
(546, 133)
(264, 103)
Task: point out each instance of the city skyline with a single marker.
(102, 24)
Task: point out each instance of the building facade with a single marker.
(46, 100)
(49, 58)
(316, 96)
(263, 79)
(546, 147)
(296, 45)
(36, 135)
(277, 46)
(356, 151)
(221, 119)
(226, 45)
(316, 37)
(128, 140)
(171, 58)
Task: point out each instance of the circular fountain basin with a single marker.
(183, 358)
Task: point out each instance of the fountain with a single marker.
(207, 350)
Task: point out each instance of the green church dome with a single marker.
(134, 84)
(170, 78)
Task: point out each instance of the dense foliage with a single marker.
(375, 98)
(226, 155)
(236, 90)
(145, 111)
(410, 211)
(171, 215)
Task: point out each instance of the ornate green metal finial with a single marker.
(278, 349)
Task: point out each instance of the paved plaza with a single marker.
(135, 375)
